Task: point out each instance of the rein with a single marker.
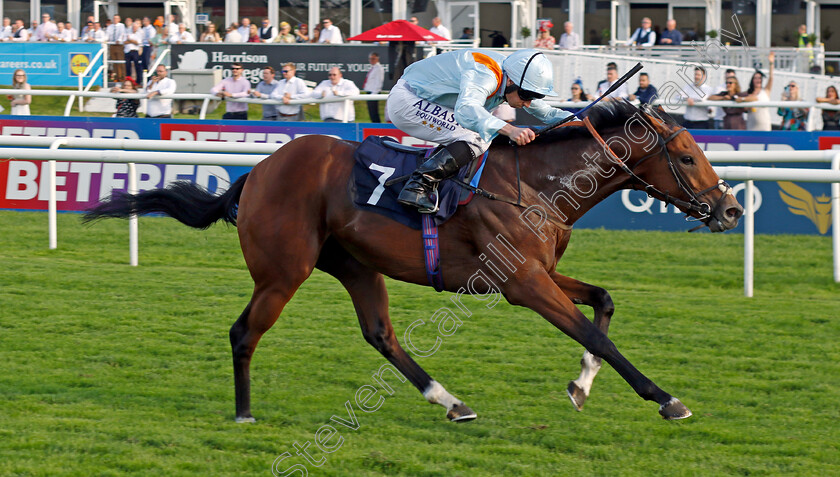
(694, 204)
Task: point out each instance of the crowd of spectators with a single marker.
(133, 43)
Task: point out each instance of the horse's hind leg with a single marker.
(260, 314)
(277, 275)
(370, 299)
(600, 301)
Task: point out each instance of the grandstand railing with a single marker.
(800, 60)
(133, 151)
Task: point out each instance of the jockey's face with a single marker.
(514, 100)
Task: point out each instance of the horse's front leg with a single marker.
(600, 301)
(539, 293)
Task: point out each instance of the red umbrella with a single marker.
(398, 30)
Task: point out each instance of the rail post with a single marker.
(52, 207)
(133, 233)
(749, 237)
(835, 218)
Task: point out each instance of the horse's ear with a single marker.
(658, 115)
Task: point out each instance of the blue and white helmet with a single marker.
(531, 71)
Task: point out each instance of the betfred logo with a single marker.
(398, 136)
(829, 142)
(216, 133)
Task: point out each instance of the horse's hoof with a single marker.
(576, 394)
(673, 410)
(461, 413)
(248, 419)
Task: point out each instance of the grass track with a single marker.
(112, 370)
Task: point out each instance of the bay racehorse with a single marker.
(294, 214)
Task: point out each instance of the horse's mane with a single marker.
(604, 115)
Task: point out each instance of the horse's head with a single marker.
(669, 165)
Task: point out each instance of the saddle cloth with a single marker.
(375, 164)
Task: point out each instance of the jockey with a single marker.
(447, 99)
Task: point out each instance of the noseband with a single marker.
(703, 209)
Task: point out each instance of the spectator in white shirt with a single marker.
(33, 27)
(72, 32)
(47, 28)
(697, 117)
(336, 86)
(289, 88)
(157, 107)
(644, 35)
(329, 33)
(6, 30)
(172, 27)
(133, 42)
(569, 40)
(438, 29)
(116, 31)
(612, 77)
(97, 34)
(62, 34)
(373, 84)
(267, 32)
(86, 29)
(182, 36)
(244, 29)
(232, 35)
(19, 32)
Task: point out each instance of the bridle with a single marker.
(703, 209)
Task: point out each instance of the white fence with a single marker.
(132, 151)
(205, 98)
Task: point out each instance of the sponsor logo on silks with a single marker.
(79, 62)
(434, 116)
(802, 202)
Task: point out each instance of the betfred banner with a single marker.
(312, 62)
(782, 207)
(80, 185)
(47, 64)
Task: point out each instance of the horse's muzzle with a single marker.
(726, 213)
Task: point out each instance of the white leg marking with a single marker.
(436, 394)
(589, 368)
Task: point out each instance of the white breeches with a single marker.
(429, 121)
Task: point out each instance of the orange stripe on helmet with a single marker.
(485, 60)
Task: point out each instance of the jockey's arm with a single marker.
(470, 111)
(545, 113)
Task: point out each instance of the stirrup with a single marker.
(437, 203)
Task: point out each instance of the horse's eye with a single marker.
(687, 160)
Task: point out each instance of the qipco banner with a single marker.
(312, 62)
(48, 64)
(781, 207)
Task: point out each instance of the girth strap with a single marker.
(431, 251)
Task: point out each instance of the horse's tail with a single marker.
(190, 204)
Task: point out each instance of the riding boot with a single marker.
(443, 164)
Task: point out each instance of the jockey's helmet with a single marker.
(532, 73)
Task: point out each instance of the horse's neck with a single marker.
(566, 178)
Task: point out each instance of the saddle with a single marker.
(381, 168)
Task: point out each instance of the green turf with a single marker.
(113, 370)
(54, 106)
